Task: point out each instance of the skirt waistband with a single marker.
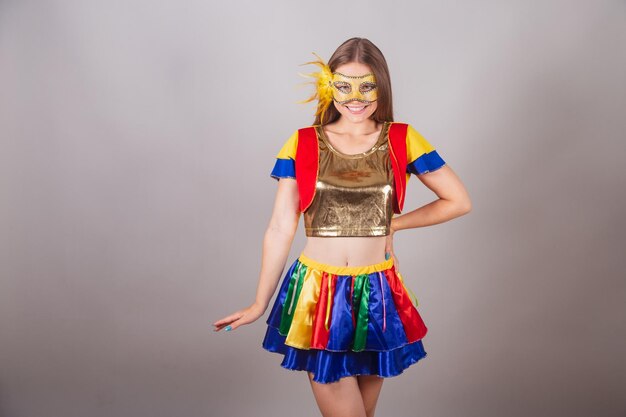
(346, 270)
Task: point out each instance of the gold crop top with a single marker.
(354, 193)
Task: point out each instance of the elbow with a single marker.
(465, 206)
(285, 226)
(460, 206)
(281, 230)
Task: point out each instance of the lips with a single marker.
(356, 109)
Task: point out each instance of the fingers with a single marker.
(389, 244)
(229, 319)
(388, 251)
(227, 325)
(235, 323)
(238, 323)
(236, 319)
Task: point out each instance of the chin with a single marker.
(357, 119)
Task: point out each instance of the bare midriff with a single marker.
(346, 251)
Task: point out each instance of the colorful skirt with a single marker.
(338, 321)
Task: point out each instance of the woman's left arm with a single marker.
(453, 201)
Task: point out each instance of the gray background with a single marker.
(137, 141)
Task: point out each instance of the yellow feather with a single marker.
(323, 86)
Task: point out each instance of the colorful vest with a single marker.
(409, 151)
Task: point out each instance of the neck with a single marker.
(358, 128)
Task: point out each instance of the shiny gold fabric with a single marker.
(354, 193)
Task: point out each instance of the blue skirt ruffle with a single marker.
(328, 366)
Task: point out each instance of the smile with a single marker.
(356, 109)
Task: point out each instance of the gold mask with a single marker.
(347, 88)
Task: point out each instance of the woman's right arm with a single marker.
(276, 246)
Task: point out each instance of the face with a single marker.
(355, 91)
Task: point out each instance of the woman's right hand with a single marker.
(244, 316)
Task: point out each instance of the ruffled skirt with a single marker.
(337, 321)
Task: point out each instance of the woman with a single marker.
(343, 313)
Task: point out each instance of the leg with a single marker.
(370, 386)
(338, 399)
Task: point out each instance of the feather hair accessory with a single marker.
(323, 86)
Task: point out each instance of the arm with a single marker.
(453, 202)
(278, 238)
(276, 245)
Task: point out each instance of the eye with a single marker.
(343, 87)
(367, 86)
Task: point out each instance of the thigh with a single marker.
(338, 399)
(370, 387)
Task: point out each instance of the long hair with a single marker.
(363, 51)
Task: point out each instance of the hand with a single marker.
(245, 316)
(389, 249)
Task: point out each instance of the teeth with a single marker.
(356, 108)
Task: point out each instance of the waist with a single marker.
(368, 268)
(346, 251)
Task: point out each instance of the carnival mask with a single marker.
(347, 88)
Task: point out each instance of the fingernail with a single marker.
(387, 256)
(228, 328)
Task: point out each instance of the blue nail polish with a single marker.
(228, 328)
(387, 256)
